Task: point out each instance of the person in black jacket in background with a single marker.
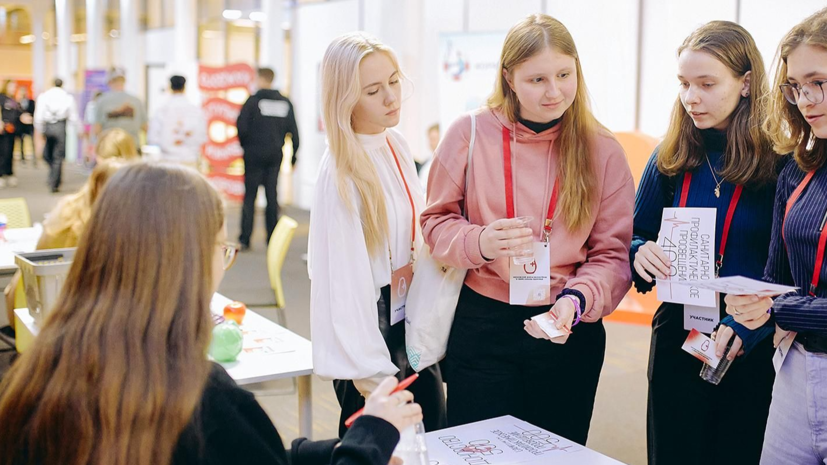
(9, 126)
(119, 374)
(26, 123)
(265, 119)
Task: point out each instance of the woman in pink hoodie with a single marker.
(538, 152)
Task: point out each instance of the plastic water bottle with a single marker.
(412, 448)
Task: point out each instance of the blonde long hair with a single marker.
(121, 363)
(785, 124)
(341, 90)
(749, 158)
(73, 211)
(115, 143)
(579, 127)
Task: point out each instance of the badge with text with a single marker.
(704, 319)
(400, 283)
(530, 283)
(687, 237)
(701, 347)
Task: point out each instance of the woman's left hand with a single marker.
(563, 313)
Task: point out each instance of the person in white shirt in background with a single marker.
(55, 108)
(364, 225)
(179, 127)
(425, 168)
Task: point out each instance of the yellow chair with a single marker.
(17, 212)
(276, 252)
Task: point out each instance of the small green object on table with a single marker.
(227, 340)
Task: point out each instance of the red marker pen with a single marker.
(399, 387)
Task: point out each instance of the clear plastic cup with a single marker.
(525, 251)
(412, 447)
(715, 375)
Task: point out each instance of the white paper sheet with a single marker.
(687, 237)
(740, 285)
(507, 440)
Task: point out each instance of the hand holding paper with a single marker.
(544, 326)
(751, 311)
(651, 261)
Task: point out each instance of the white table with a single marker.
(270, 352)
(17, 240)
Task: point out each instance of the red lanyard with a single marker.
(733, 204)
(822, 239)
(509, 186)
(410, 197)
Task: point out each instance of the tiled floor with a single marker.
(618, 426)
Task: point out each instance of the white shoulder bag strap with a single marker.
(468, 165)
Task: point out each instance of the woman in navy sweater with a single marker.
(715, 156)
(797, 122)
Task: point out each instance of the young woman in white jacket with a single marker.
(364, 230)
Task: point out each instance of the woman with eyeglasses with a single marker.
(714, 155)
(797, 123)
(119, 375)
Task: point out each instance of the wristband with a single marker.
(577, 309)
(577, 294)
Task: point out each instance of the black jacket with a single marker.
(230, 427)
(264, 120)
(10, 110)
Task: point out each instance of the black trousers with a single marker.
(496, 368)
(690, 421)
(427, 389)
(6, 154)
(54, 152)
(254, 176)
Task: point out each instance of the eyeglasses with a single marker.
(813, 90)
(230, 253)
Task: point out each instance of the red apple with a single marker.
(235, 311)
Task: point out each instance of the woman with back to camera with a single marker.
(119, 371)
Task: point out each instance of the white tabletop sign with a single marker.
(687, 237)
(507, 440)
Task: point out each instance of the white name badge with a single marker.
(400, 283)
(704, 319)
(530, 284)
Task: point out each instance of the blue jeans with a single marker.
(797, 425)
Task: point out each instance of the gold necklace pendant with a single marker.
(717, 191)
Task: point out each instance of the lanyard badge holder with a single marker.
(529, 283)
(401, 278)
(705, 319)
